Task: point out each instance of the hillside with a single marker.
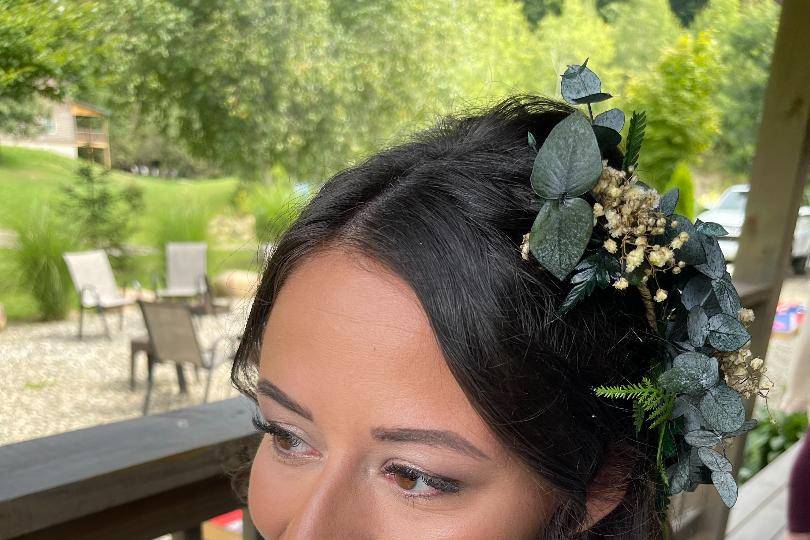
(31, 179)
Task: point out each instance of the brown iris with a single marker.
(405, 482)
(286, 443)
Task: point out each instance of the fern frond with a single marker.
(650, 402)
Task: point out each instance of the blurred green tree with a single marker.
(46, 50)
(637, 47)
(679, 96)
(745, 33)
(682, 180)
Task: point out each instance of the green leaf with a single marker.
(692, 251)
(532, 142)
(613, 119)
(727, 295)
(726, 333)
(598, 269)
(696, 291)
(723, 409)
(569, 163)
(577, 293)
(697, 325)
(711, 229)
(715, 265)
(726, 487)
(669, 201)
(702, 438)
(635, 138)
(560, 234)
(714, 460)
(579, 81)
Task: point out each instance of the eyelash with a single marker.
(279, 433)
(439, 483)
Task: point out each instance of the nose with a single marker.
(335, 507)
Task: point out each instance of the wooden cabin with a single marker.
(71, 128)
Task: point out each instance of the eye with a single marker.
(418, 483)
(285, 442)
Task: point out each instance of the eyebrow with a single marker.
(430, 437)
(268, 389)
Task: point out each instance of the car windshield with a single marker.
(734, 200)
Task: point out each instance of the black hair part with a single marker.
(447, 212)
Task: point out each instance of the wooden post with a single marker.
(778, 177)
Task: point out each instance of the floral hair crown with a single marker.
(602, 227)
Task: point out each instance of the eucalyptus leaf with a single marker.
(698, 326)
(606, 138)
(678, 475)
(560, 234)
(747, 426)
(726, 487)
(703, 368)
(692, 251)
(723, 409)
(690, 373)
(714, 460)
(613, 119)
(568, 163)
(692, 418)
(669, 201)
(711, 229)
(579, 81)
(727, 295)
(702, 438)
(726, 333)
(715, 265)
(696, 291)
(592, 98)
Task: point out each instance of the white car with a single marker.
(730, 213)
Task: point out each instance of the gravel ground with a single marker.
(51, 382)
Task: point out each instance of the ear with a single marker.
(608, 488)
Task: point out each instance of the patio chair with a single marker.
(185, 270)
(173, 338)
(93, 279)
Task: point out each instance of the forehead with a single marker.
(348, 337)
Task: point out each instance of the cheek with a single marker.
(270, 496)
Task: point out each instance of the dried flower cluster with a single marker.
(744, 373)
(631, 217)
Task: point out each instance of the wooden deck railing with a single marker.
(135, 479)
(93, 138)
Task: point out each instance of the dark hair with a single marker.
(447, 212)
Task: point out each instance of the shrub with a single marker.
(102, 215)
(769, 439)
(276, 206)
(682, 179)
(42, 271)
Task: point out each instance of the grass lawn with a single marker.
(31, 179)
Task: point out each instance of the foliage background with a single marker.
(305, 87)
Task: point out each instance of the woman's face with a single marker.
(369, 435)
